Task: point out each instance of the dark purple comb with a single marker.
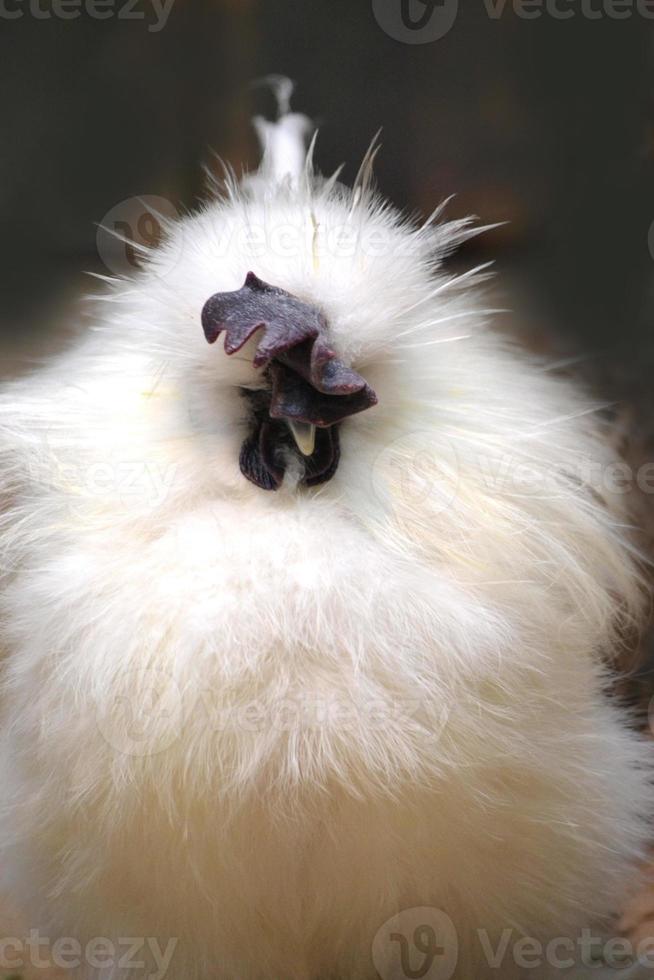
(309, 384)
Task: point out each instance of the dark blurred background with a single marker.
(546, 122)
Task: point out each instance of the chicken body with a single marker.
(262, 724)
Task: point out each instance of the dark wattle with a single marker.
(264, 454)
(322, 465)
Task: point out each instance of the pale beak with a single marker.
(304, 435)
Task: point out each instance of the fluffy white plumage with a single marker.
(263, 723)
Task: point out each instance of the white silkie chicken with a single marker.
(305, 632)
